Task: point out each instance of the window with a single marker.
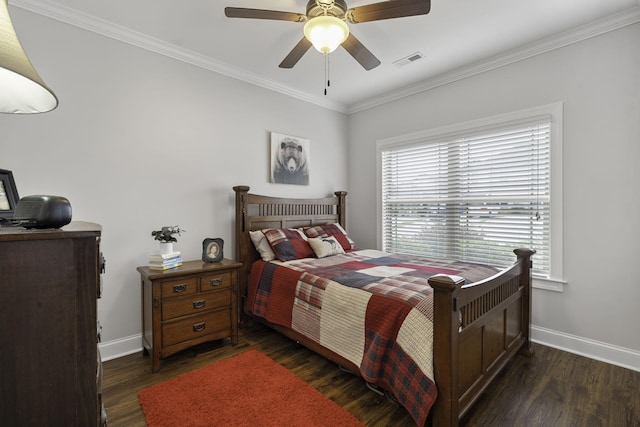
(476, 191)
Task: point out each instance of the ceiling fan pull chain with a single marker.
(326, 73)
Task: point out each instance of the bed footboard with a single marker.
(478, 328)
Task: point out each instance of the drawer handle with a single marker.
(198, 304)
(215, 282)
(179, 288)
(199, 326)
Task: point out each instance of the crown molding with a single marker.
(593, 29)
(108, 29)
(143, 41)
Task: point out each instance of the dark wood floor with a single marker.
(552, 388)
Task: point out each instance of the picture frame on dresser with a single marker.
(8, 194)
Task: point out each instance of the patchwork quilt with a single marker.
(373, 308)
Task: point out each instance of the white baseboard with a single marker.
(604, 352)
(615, 355)
(120, 347)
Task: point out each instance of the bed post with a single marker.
(242, 242)
(524, 258)
(342, 208)
(445, 348)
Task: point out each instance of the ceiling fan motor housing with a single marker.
(336, 8)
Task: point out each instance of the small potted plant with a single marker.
(166, 237)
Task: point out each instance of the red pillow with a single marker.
(288, 243)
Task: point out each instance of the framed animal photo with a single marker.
(290, 159)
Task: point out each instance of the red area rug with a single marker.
(249, 389)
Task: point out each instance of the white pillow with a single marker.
(262, 245)
(325, 246)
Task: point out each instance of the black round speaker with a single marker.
(42, 212)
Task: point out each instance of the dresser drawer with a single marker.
(195, 303)
(193, 327)
(212, 282)
(179, 287)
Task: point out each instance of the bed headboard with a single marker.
(255, 212)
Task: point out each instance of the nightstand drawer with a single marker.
(212, 282)
(180, 287)
(197, 326)
(195, 303)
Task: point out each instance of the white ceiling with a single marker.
(458, 37)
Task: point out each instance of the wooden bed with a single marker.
(478, 328)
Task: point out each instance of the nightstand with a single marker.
(188, 305)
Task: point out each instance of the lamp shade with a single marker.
(326, 33)
(21, 88)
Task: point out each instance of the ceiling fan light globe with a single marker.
(326, 33)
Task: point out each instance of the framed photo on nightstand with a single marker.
(212, 250)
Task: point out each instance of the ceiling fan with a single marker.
(333, 16)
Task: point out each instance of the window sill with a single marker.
(555, 285)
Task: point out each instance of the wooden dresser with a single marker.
(50, 370)
(188, 305)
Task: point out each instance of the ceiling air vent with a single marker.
(408, 59)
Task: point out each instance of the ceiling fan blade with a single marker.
(296, 53)
(239, 12)
(360, 53)
(388, 10)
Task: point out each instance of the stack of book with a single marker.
(165, 261)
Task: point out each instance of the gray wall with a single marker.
(598, 80)
(140, 141)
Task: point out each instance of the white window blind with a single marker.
(473, 196)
